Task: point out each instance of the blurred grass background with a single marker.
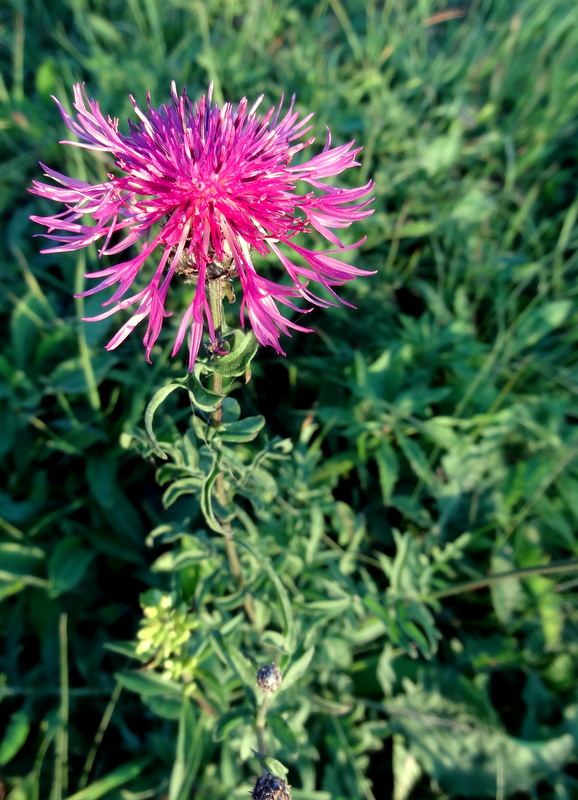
(435, 427)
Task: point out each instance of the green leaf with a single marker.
(244, 430)
(507, 593)
(15, 734)
(237, 361)
(551, 608)
(232, 656)
(207, 500)
(416, 457)
(21, 565)
(410, 624)
(282, 733)
(148, 683)
(297, 669)
(188, 755)
(271, 765)
(166, 706)
(175, 561)
(126, 648)
(231, 410)
(317, 527)
(32, 316)
(327, 608)
(441, 153)
(203, 398)
(190, 485)
(388, 469)
(406, 770)
(117, 777)
(289, 624)
(414, 229)
(70, 377)
(67, 565)
(468, 754)
(229, 721)
(538, 322)
(158, 398)
(276, 640)
(101, 472)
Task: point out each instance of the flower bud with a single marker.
(269, 678)
(271, 787)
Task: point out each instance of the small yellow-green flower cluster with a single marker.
(164, 636)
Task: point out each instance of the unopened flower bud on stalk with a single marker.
(271, 787)
(269, 678)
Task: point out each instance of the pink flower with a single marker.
(204, 188)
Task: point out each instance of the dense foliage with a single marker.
(403, 486)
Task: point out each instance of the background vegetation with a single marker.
(414, 450)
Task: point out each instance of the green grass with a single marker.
(409, 509)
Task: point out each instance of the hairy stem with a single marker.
(260, 724)
(216, 304)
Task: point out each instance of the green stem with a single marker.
(88, 764)
(216, 306)
(472, 586)
(60, 786)
(83, 349)
(260, 725)
(215, 288)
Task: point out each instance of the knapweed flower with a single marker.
(204, 188)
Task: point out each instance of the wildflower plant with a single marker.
(196, 197)
(384, 521)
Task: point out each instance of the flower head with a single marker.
(204, 188)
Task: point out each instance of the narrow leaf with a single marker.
(158, 398)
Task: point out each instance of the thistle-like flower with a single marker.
(205, 188)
